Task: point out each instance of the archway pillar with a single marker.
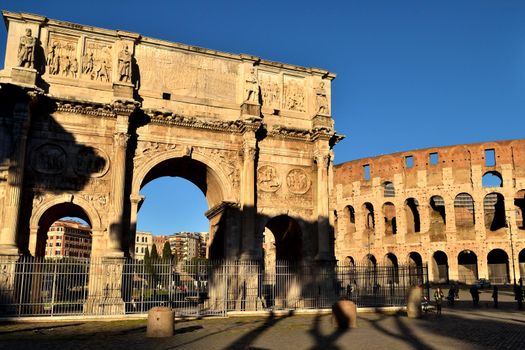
(15, 180)
(136, 200)
(453, 267)
(120, 142)
(33, 239)
(248, 175)
(322, 160)
(450, 222)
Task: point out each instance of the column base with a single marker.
(9, 250)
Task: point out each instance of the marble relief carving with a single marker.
(62, 56)
(91, 162)
(252, 87)
(96, 61)
(298, 181)
(270, 89)
(321, 100)
(49, 159)
(294, 94)
(268, 179)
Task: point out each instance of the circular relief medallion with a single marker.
(91, 162)
(298, 181)
(49, 159)
(268, 179)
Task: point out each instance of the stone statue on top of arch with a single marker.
(321, 100)
(252, 88)
(124, 65)
(26, 50)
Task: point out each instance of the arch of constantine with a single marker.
(88, 116)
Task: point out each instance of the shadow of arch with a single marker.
(498, 266)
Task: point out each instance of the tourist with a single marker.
(518, 295)
(495, 296)
(438, 298)
(474, 292)
(451, 295)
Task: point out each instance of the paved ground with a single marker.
(462, 327)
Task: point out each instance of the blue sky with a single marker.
(410, 74)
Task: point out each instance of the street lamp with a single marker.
(508, 218)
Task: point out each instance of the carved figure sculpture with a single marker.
(88, 63)
(53, 60)
(74, 68)
(124, 65)
(321, 99)
(252, 87)
(26, 50)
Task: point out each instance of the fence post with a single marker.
(54, 286)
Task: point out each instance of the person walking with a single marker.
(438, 298)
(474, 292)
(518, 295)
(451, 295)
(495, 296)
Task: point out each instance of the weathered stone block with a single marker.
(414, 302)
(24, 76)
(344, 312)
(161, 322)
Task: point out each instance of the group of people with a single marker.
(453, 294)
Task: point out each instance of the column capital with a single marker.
(121, 139)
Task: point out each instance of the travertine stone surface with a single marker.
(478, 225)
(110, 111)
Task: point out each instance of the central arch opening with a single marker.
(176, 195)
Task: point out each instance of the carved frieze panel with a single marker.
(294, 94)
(96, 60)
(271, 89)
(228, 160)
(49, 159)
(61, 57)
(298, 181)
(146, 147)
(268, 179)
(91, 162)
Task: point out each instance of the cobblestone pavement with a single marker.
(461, 327)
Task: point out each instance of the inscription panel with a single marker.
(187, 74)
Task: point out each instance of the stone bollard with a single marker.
(344, 312)
(414, 302)
(160, 322)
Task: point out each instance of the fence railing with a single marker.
(104, 286)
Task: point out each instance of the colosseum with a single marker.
(458, 208)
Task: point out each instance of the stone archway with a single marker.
(467, 266)
(440, 267)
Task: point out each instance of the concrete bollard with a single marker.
(344, 312)
(414, 302)
(160, 322)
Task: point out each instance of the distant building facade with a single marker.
(143, 241)
(188, 245)
(68, 238)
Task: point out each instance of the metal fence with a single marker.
(104, 286)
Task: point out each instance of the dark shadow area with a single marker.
(38, 328)
(188, 329)
(325, 342)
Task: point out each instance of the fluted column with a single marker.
(322, 159)
(120, 141)
(15, 181)
(248, 195)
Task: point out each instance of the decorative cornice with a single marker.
(170, 118)
(220, 208)
(85, 107)
(291, 133)
(125, 107)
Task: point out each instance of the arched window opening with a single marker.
(437, 215)
(519, 203)
(368, 210)
(492, 179)
(498, 264)
(494, 209)
(464, 210)
(350, 261)
(389, 213)
(350, 217)
(415, 265)
(389, 189)
(521, 262)
(393, 271)
(467, 267)
(412, 215)
(440, 267)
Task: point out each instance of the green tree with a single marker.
(147, 259)
(154, 253)
(166, 252)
